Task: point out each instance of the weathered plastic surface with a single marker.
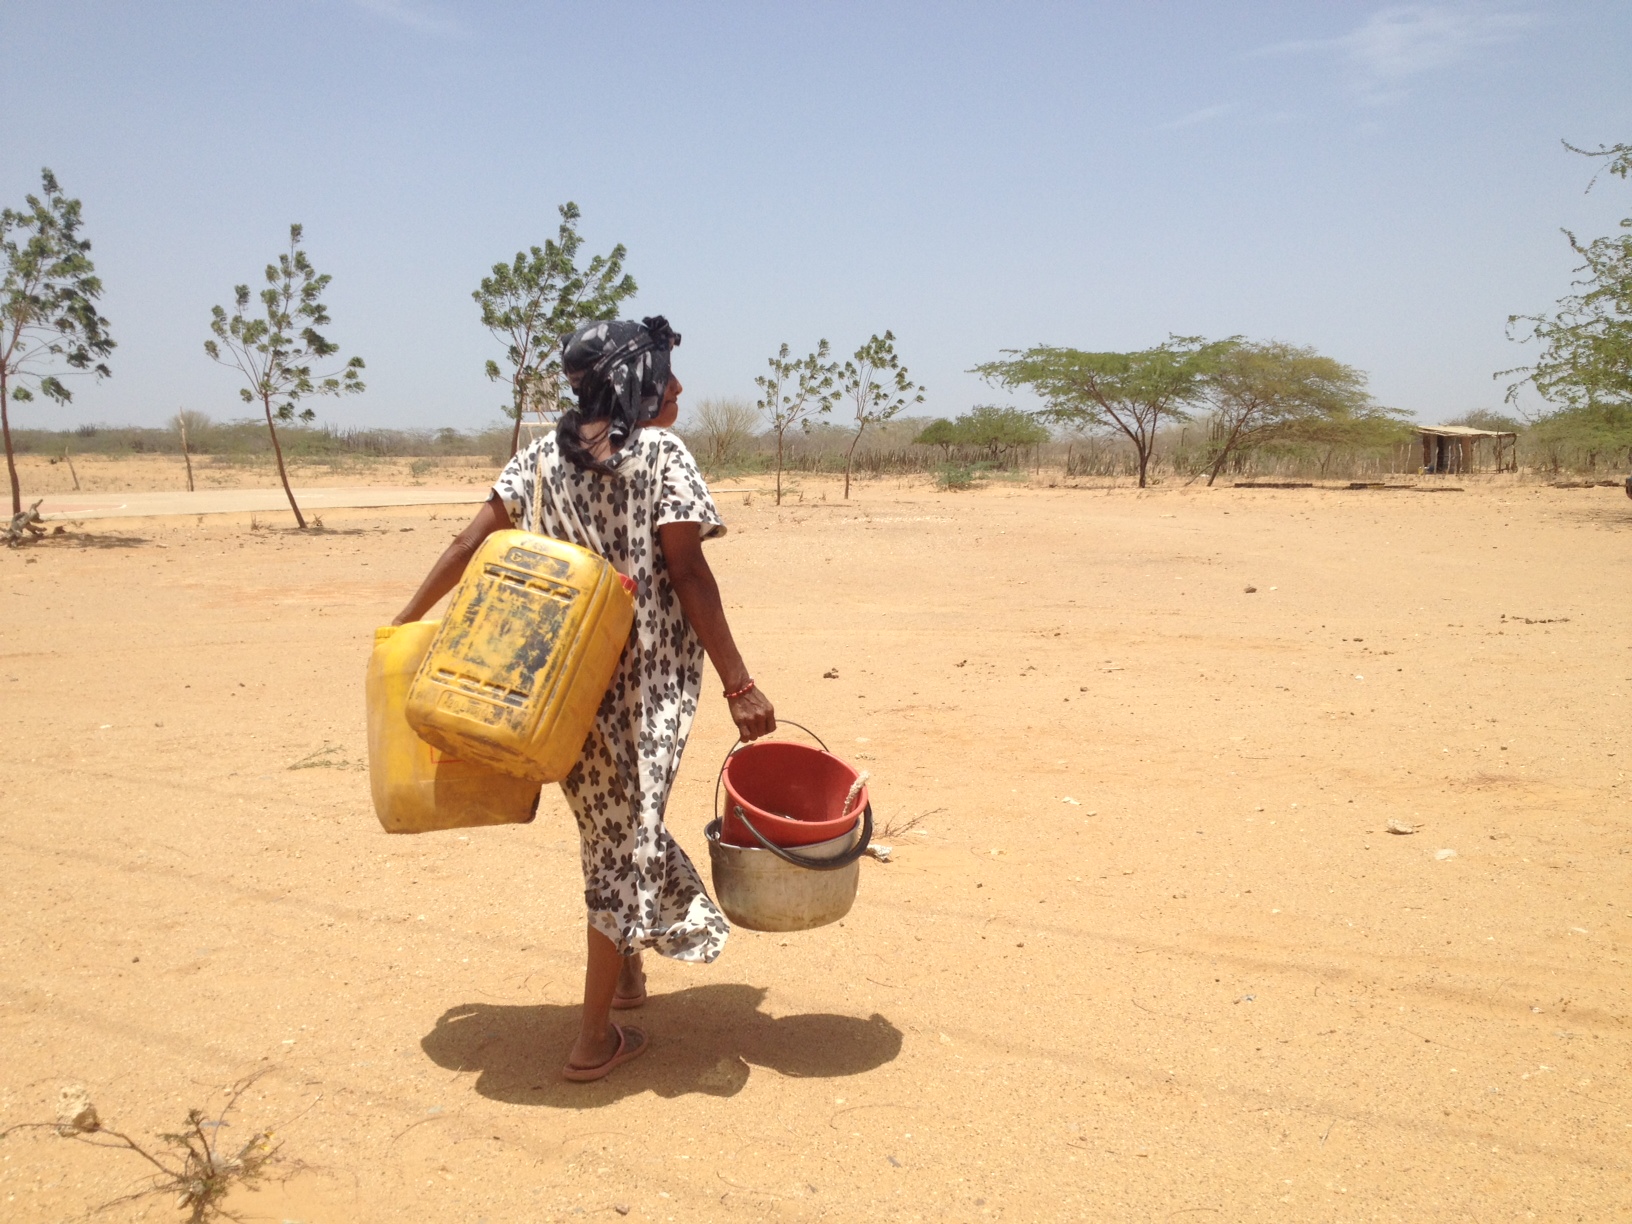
(530, 642)
(418, 788)
(759, 891)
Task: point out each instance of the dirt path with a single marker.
(84, 507)
(1150, 954)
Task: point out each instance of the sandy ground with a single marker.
(1149, 955)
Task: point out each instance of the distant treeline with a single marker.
(891, 449)
(731, 443)
(249, 438)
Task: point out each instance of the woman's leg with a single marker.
(631, 978)
(596, 1041)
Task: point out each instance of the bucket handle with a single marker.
(737, 747)
(788, 856)
(815, 864)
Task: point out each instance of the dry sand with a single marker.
(1150, 955)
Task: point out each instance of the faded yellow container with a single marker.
(526, 651)
(418, 788)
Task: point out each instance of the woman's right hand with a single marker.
(753, 714)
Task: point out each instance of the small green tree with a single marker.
(1276, 392)
(49, 326)
(796, 390)
(999, 431)
(1585, 366)
(942, 433)
(276, 351)
(876, 384)
(537, 298)
(1135, 393)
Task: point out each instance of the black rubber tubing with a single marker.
(789, 856)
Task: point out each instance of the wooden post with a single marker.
(181, 424)
(68, 459)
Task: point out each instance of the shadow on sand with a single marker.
(59, 539)
(702, 1040)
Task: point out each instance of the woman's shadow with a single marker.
(702, 1041)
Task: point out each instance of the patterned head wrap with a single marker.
(618, 370)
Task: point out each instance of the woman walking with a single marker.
(614, 480)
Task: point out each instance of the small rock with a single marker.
(1442, 855)
(1252, 590)
(75, 1113)
(881, 853)
(831, 673)
(1399, 826)
(621, 1208)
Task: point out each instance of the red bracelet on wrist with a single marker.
(741, 692)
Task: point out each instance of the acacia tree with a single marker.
(1273, 392)
(796, 389)
(942, 433)
(998, 430)
(276, 350)
(985, 427)
(1585, 365)
(876, 384)
(537, 298)
(49, 326)
(1135, 393)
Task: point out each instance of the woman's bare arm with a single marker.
(682, 545)
(450, 566)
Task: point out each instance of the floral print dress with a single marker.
(641, 889)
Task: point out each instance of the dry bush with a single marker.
(724, 429)
(190, 1163)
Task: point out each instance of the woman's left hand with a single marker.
(753, 714)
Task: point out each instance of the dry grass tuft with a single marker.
(190, 1163)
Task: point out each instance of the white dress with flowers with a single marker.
(641, 889)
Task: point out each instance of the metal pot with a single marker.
(762, 891)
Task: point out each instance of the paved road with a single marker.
(60, 506)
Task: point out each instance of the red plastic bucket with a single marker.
(794, 794)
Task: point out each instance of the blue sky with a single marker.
(1383, 182)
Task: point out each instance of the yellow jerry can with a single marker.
(529, 644)
(418, 788)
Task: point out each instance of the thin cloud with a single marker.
(411, 13)
(1205, 115)
(1399, 43)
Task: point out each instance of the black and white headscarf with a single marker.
(618, 369)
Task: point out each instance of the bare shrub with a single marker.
(724, 428)
(191, 1163)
